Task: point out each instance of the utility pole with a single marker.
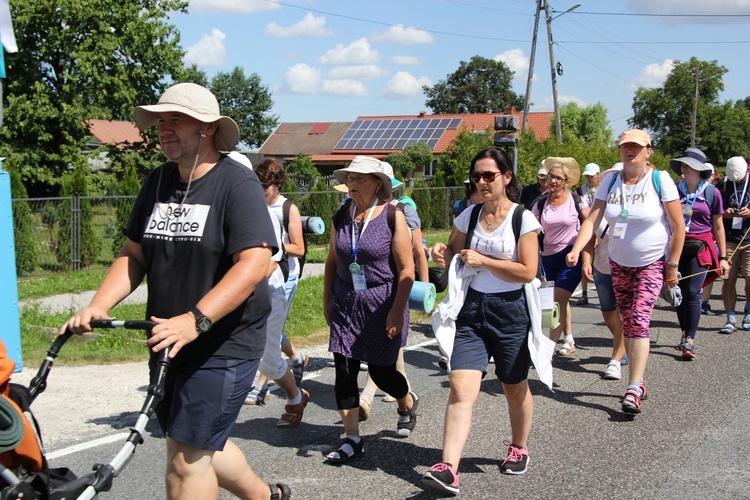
(695, 106)
(530, 75)
(558, 125)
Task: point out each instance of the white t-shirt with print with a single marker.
(500, 243)
(645, 238)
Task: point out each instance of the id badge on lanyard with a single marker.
(358, 274)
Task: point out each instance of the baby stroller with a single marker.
(24, 472)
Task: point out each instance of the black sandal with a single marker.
(358, 449)
(286, 492)
(404, 428)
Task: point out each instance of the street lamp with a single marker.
(558, 125)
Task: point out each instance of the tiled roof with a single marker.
(114, 132)
(318, 140)
(292, 139)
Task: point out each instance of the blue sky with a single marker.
(334, 60)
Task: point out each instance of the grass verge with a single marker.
(305, 326)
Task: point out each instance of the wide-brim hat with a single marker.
(395, 183)
(693, 158)
(196, 102)
(368, 165)
(574, 169)
(341, 188)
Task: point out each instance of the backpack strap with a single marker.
(516, 221)
(472, 224)
(391, 215)
(338, 216)
(656, 179)
(540, 204)
(710, 192)
(285, 214)
(579, 206)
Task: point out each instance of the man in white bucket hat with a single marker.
(200, 232)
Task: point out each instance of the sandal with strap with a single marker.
(292, 415)
(746, 322)
(343, 455)
(407, 419)
(631, 401)
(728, 328)
(286, 491)
(567, 349)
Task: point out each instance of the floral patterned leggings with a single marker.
(636, 291)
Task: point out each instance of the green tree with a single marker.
(589, 124)
(480, 86)
(419, 155)
(75, 185)
(23, 228)
(453, 165)
(303, 167)
(248, 102)
(667, 111)
(401, 164)
(129, 186)
(80, 59)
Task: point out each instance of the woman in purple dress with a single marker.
(368, 277)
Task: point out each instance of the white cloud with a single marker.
(654, 75)
(361, 72)
(548, 103)
(357, 52)
(345, 88)
(209, 51)
(302, 79)
(241, 6)
(400, 35)
(405, 85)
(309, 26)
(405, 60)
(517, 61)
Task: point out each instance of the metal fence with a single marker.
(49, 218)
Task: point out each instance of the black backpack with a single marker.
(285, 207)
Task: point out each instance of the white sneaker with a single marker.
(613, 371)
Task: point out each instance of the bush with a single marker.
(26, 259)
(321, 205)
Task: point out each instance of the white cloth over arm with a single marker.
(541, 347)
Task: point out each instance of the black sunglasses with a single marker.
(487, 176)
(266, 186)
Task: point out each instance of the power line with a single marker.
(636, 14)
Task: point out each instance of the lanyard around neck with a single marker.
(355, 237)
(624, 212)
(744, 190)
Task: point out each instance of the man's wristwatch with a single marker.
(723, 257)
(202, 322)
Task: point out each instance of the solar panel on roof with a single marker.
(394, 134)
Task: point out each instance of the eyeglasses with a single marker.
(487, 176)
(553, 177)
(266, 186)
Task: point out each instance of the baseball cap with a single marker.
(591, 169)
(636, 136)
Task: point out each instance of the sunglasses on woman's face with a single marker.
(487, 176)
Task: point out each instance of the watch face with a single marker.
(204, 324)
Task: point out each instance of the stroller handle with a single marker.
(39, 382)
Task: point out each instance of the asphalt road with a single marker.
(691, 441)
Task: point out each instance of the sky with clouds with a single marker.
(334, 60)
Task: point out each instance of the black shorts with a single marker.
(497, 325)
(203, 399)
